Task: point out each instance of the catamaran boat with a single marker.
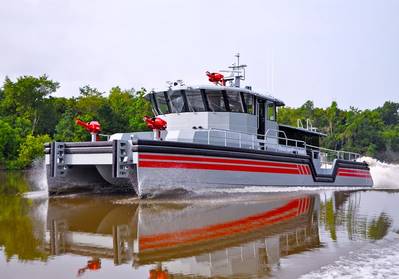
(219, 135)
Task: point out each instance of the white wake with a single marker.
(37, 180)
(376, 260)
(384, 175)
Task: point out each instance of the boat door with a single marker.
(271, 123)
(261, 116)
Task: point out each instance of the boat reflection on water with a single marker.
(201, 238)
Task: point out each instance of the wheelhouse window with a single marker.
(162, 104)
(201, 100)
(153, 104)
(271, 111)
(195, 101)
(249, 103)
(216, 100)
(177, 103)
(234, 101)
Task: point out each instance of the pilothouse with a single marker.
(218, 135)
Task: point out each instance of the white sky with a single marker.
(321, 50)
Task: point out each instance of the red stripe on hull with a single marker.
(354, 175)
(299, 168)
(354, 170)
(214, 160)
(177, 165)
(211, 163)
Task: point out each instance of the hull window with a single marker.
(234, 101)
(195, 101)
(216, 101)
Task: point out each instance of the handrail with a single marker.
(299, 123)
(338, 152)
(258, 135)
(278, 132)
(332, 150)
(298, 143)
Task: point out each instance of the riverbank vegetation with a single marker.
(31, 114)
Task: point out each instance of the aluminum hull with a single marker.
(155, 166)
(170, 171)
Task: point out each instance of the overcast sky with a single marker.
(321, 50)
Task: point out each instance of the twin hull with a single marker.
(152, 166)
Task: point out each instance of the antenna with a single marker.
(272, 72)
(237, 72)
(238, 59)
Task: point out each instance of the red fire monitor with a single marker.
(93, 127)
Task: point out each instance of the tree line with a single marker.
(371, 132)
(30, 116)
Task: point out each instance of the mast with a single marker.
(237, 72)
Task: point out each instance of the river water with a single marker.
(252, 233)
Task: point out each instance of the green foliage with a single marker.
(12, 183)
(389, 113)
(139, 108)
(18, 235)
(26, 98)
(378, 228)
(372, 132)
(67, 130)
(51, 113)
(329, 218)
(30, 149)
(30, 116)
(17, 231)
(9, 140)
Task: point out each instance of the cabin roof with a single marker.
(315, 133)
(220, 87)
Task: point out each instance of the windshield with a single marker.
(196, 100)
(216, 100)
(163, 107)
(177, 102)
(235, 101)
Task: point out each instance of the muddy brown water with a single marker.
(249, 234)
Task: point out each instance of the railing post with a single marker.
(225, 138)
